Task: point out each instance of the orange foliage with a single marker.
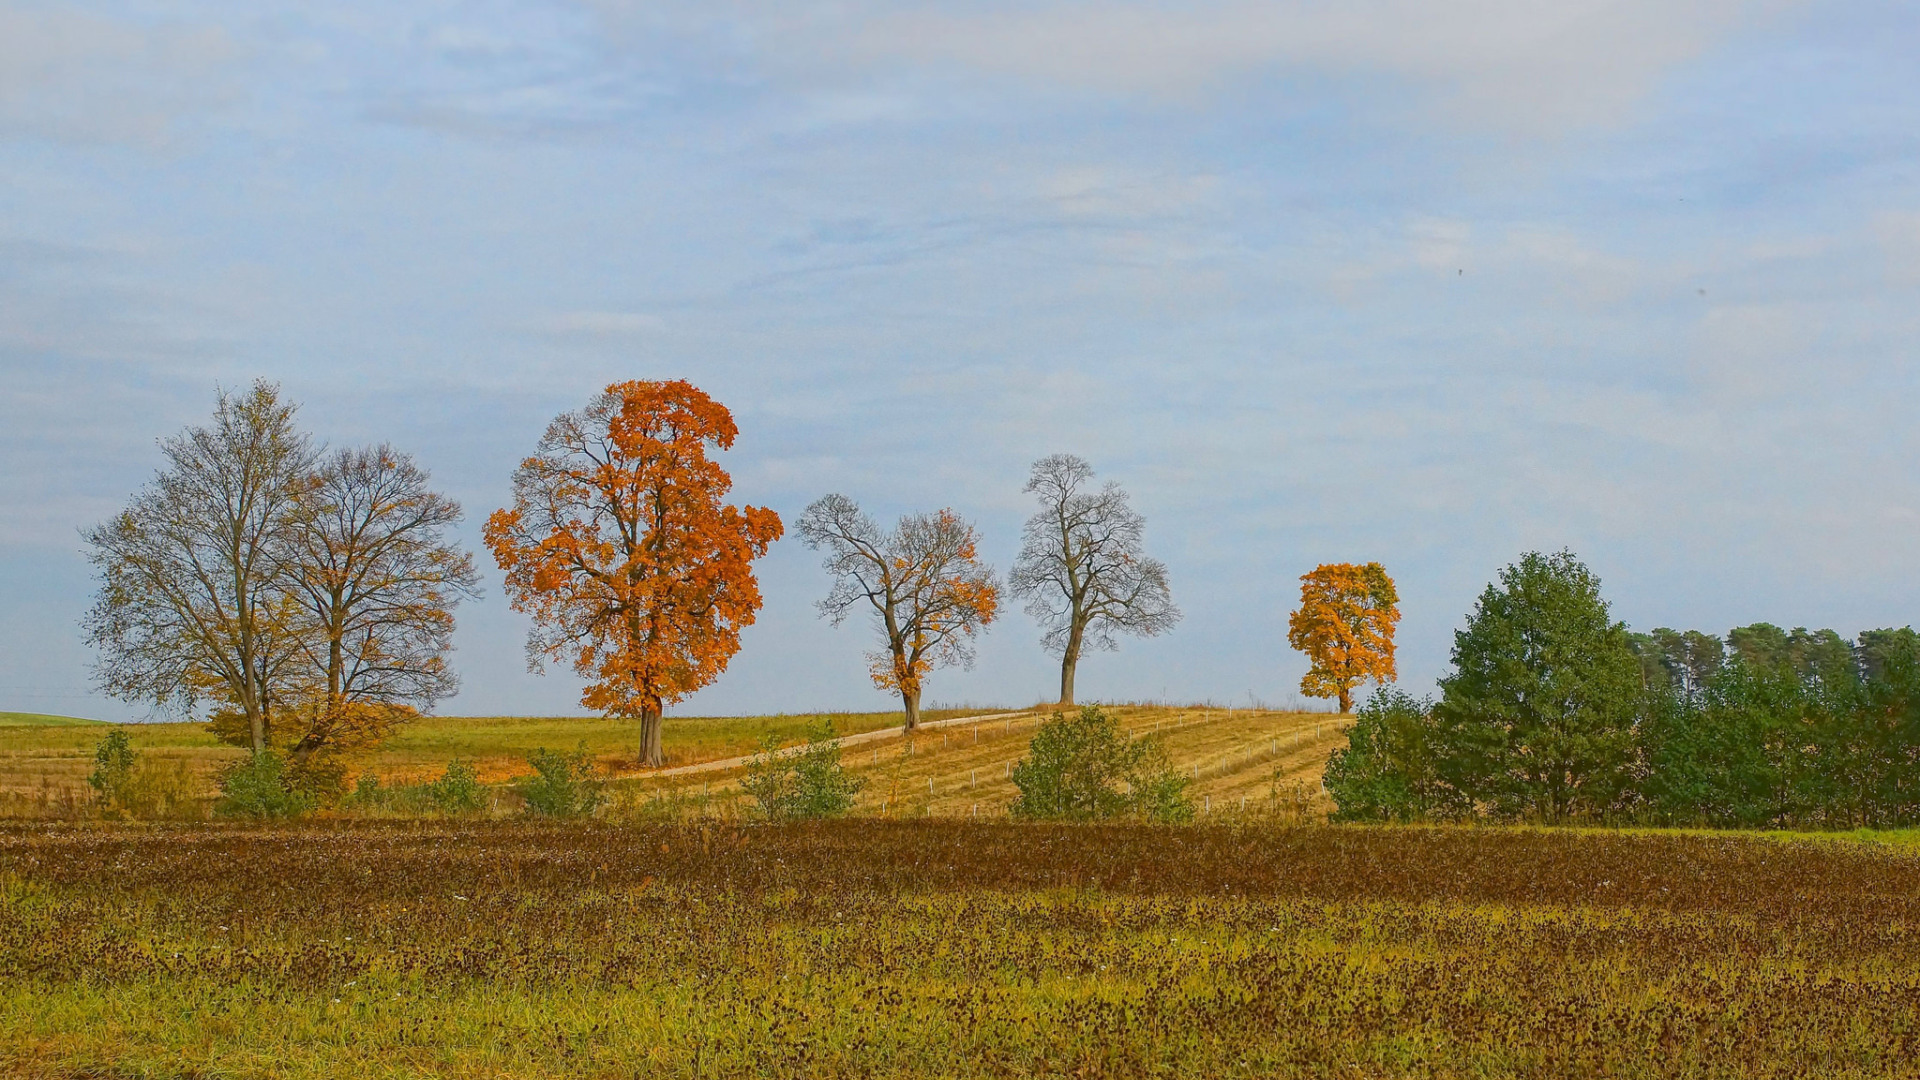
(1345, 626)
(619, 546)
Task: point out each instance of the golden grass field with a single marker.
(1241, 759)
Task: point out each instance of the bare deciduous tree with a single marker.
(378, 579)
(1081, 568)
(191, 602)
(928, 589)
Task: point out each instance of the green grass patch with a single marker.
(29, 719)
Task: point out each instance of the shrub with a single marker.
(126, 783)
(258, 788)
(458, 791)
(1084, 768)
(112, 776)
(321, 775)
(806, 782)
(564, 785)
(1386, 770)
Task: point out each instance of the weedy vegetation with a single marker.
(944, 948)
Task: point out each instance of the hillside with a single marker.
(29, 719)
(1232, 755)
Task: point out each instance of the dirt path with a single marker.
(723, 764)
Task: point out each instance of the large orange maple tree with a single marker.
(620, 546)
(1345, 626)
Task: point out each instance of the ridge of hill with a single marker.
(29, 719)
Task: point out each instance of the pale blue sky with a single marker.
(1432, 284)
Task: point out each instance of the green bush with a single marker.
(806, 782)
(1085, 768)
(258, 788)
(458, 791)
(127, 784)
(112, 776)
(1386, 770)
(564, 785)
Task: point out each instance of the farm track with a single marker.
(843, 741)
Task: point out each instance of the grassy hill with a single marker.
(32, 719)
(1236, 757)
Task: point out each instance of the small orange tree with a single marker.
(1345, 626)
(619, 546)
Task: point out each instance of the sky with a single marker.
(1428, 284)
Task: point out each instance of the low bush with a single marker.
(563, 785)
(1085, 768)
(802, 783)
(112, 777)
(458, 791)
(258, 788)
(129, 785)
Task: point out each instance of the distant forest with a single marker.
(1554, 712)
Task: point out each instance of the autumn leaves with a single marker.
(635, 570)
(312, 596)
(620, 547)
(1345, 626)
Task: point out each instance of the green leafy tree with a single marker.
(1882, 652)
(1085, 768)
(1386, 771)
(802, 783)
(1719, 757)
(1538, 717)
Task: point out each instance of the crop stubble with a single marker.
(940, 948)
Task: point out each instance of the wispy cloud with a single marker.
(598, 325)
(79, 77)
(1506, 64)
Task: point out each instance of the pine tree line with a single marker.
(1556, 712)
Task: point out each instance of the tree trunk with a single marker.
(650, 753)
(1346, 700)
(256, 717)
(911, 700)
(1070, 660)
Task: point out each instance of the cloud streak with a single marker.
(78, 77)
(1511, 65)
